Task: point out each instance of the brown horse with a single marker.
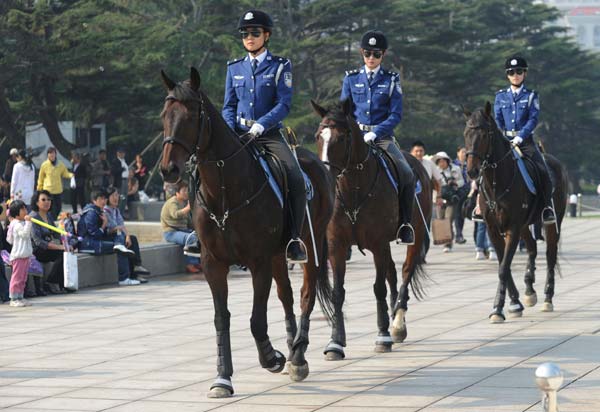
(366, 214)
(509, 208)
(239, 220)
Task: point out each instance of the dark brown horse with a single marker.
(509, 208)
(239, 220)
(366, 214)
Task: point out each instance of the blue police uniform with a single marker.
(517, 115)
(264, 96)
(377, 107)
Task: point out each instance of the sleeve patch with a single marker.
(287, 79)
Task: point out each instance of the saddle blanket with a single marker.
(388, 172)
(524, 172)
(275, 185)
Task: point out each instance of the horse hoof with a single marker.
(286, 370)
(217, 393)
(497, 319)
(333, 356)
(516, 314)
(298, 373)
(383, 348)
(530, 300)
(548, 307)
(399, 335)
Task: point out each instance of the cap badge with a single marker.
(372, 41)
(249, 16)
(513, 62)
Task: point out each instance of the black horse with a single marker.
(366, 214)
(509, 207)
(239, 220)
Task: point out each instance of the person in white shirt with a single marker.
(19, 236)
(22, 184)
(418, 151)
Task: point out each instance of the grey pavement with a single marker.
(152, 347)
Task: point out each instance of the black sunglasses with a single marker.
(253, 33)
(369, 53)
(511, 72)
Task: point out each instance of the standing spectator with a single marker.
(483, 243)
(92, 227)
(459, 218)
(118, 233)
(4, 295)
(452, 180)
(573, 199)
(19, 235)
(120, 174)
(133, 187)
(418, 151)
(176, 224)
(8, 170)
(80, 175)
(47, 247)
(141, 171)
(22, 183)
(100, 172)
(52, 172)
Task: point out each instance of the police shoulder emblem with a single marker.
(287, 79)
(249, 16)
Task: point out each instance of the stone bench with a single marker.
(160, 258)
(147, 212)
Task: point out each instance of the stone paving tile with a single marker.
(139, 349)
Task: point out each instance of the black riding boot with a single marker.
(530, 150)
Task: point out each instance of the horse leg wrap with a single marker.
(268, 357)
(224, 364)
(223, 382)
(291, 329)
(301, 342)
(333, 346)
(549, 289)
(403, 298)
(384, 338)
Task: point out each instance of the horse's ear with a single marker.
(466, 112)
(169, 84)
(194, 79)
(488, 109)
(347, 107)
(318, 109)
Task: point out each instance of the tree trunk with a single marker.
(7, 122)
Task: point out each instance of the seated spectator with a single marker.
(46, 245)
(117, 232)
(92, 227)
(133, 187)
(176, 224)
(451, 182)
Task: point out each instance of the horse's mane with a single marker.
(184, 93)
(335, 112)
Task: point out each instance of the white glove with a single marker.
(369, 137)
(517, 141)
(256, 129)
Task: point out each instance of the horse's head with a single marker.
(335, 132)
(479, 131)
(182, 119)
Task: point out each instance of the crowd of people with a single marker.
(35, 251)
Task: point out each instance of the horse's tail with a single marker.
(419, 277)
(324, 289)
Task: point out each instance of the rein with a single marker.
(220, 220)
(488, 163)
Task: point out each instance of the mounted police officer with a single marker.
(516, 110)
(376, 95)
(258, 96)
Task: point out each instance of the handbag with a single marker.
(71, 271)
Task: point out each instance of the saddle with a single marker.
(392, 174)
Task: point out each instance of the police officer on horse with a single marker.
(376, 95)
(516, 110)
(258, 96)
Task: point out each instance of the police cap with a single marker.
(256, 18)
(515, 62)
(374, 40)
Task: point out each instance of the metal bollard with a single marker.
(548, 378)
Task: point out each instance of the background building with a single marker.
(583, 20)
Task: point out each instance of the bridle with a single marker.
(488, 163)
(193, 155)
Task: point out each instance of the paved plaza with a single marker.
(152, 347)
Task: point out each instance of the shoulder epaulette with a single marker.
(230, 62)
(394, 74)
(351, 72)
(280, 59)
(500, 91)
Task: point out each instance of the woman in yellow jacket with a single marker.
(51, 174)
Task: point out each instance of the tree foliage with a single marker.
(98, 61)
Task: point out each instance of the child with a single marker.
(19, 236)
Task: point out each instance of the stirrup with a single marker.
(399, 241)
(302, 246)
(550, 221)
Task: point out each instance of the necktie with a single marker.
(254, 64)
(371, 74)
